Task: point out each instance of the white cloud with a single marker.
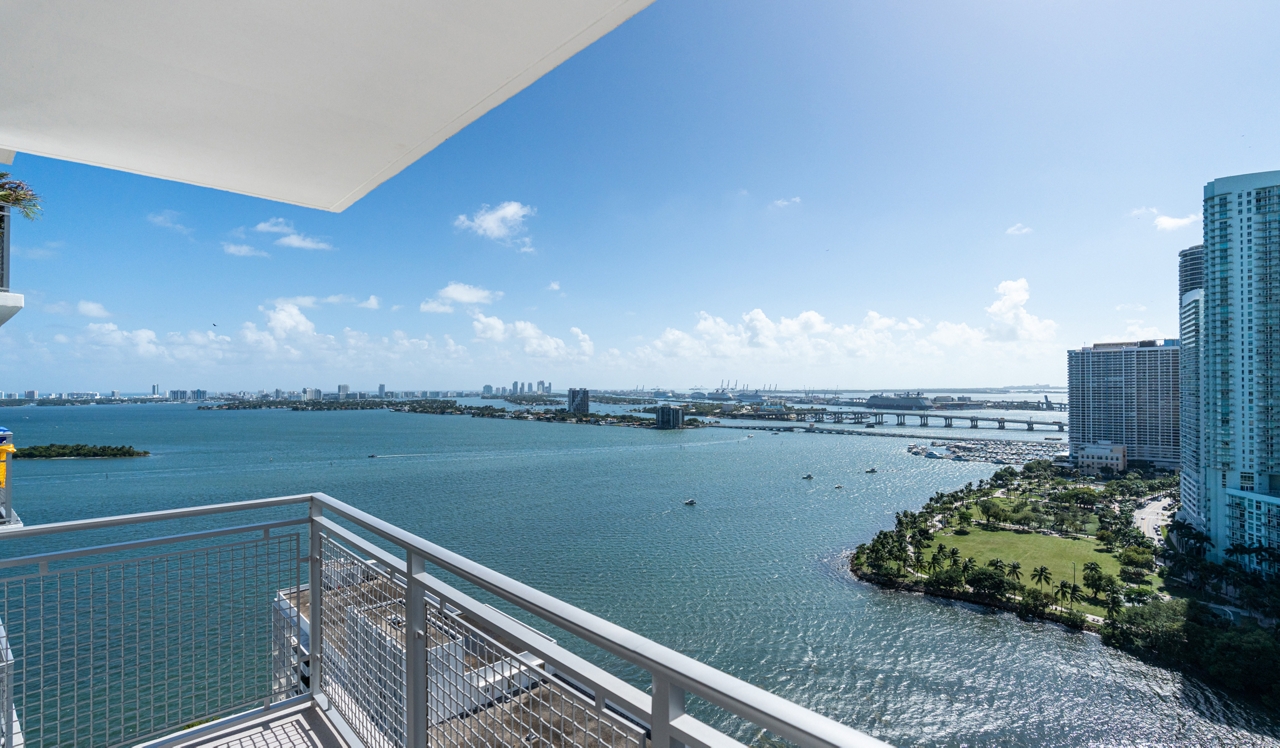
(291, 238)
(584, 341)
(1012, 320)
(1017, 229)
(786, 202)
(502, 224)
(553, 286)
(435, 307)
(92, 309)
(875, 348)
(373, 302)
(242, 250)
(168, 219)
(1131, 308)
(275, 226)
(533, 341)
(1163, 222)
(301, 241)
(1169, 223)
(60, 307)
(489, 328)
(339, 298)
(459, 293)
(142, 342)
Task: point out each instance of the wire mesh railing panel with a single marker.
(117, 652)
(7, 728)
(363, 662)
(479, 692)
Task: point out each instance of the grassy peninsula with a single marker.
(1048, 543)
(64, 451)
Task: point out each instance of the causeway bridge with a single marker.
(926, 418)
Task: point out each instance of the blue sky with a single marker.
(819, 194)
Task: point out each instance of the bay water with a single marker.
(752, 579)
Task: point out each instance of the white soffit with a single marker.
(311, 103)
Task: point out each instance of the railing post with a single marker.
(668, 704)
(415, 671)
(316, 589)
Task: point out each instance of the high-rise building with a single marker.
(548, 387)
(382, 390)
(1190, 270)
(1126, 394)
(542, 387)
(515, 388)
(32, 394)
(155, 390)
(488, 390)
(1190, 325)
(668, 417)
(579, 401)
(1238, 503)
(344, 390)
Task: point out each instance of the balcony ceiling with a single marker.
(313, 104)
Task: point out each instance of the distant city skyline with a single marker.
(824, 195)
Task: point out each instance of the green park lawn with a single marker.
(1032, 550)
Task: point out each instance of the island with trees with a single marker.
(452, 407)
(1050, 544)
(73, 451)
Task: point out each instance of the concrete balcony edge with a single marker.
(10, 304)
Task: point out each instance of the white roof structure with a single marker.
(310, 103)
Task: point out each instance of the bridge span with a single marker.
(926, 418)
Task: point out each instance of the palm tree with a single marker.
(969, 565)
(954, 555)
(1077, 595)
(1014, 571)
(1092, 566)
(1063, 593)
(1041, 575)
(996, 564)
(19, 195)
(1115, 604)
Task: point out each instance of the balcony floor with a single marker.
(303, 727)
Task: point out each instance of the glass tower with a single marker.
(1239, 495)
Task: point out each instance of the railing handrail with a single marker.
(97, 523)
(756, 705)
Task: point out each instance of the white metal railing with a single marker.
(111, 648)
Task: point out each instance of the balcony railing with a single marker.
(176, 637)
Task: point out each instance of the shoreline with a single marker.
(887, 583)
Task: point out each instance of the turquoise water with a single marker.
(750, 580)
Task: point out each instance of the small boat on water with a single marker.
(689, 502)
(808, 476)
(839, 486)
(372, 456)
(871, 470)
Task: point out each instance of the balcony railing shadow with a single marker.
(301, 623)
